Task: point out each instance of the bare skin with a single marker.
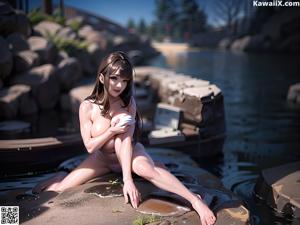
(99, 136)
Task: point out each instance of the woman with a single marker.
(113, 147)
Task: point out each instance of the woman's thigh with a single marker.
(93, 166)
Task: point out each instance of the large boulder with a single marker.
(240, 44)
(17, 42)
(67, 33)
(44, 48)
(47, 27)
(16, 100)
(22, 24)
(8, 19)
(6, 59)
(13, 21)
(69, 72)
(25, 60)
(44, 83)
(95, 53)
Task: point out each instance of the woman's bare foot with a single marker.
(207, 217)
(49, 184)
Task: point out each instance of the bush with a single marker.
(35, 16)
(70, 46)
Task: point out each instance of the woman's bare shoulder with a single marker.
(86, 107)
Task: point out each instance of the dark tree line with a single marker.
(176, 20)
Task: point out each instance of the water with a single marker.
(263, 130)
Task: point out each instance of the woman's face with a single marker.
(117, 85)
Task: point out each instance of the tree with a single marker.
(228, 12)
(192, 18)
(142, 27)
(130, 25)
(47, 6)
(166, 14)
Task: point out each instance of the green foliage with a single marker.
(70, 46)
(35, 16)
(75, 25)
(131, 24)
(146, 219)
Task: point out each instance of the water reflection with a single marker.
(262, 130)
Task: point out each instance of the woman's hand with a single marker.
(117, 130)
(130, 189)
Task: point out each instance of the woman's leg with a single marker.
(93, 166)
(143, 165)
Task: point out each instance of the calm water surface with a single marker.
(263, 130)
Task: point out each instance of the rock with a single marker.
(69, 72)
(27, 105)
(17, 42)
(85, 30)
(45, 49)
(8, 19)
(100, 201)
(95, 53)
(78, 94)
(293, 95)
(61, 56)
(25, 60)
(290, 44)
(225, 43)
(67, 33)
(101, 38)
(44, 84)
(47, 28)
(6, 59)
(240, 44)
(16, 99)
(87, 67)
(22, 24)
(279, 187)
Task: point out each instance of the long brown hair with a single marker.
(114, 63)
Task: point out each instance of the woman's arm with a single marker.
(92, 144)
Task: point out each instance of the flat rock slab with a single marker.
(280, 188)
(100, 201)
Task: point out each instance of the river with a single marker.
(263, 130)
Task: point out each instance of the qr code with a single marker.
(9, 215)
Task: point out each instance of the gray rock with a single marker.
(78, 94)
(45, 49)
(88, 67)
(44, 83)
(95, 52)
(85, 30)
(8, 19)
(69, 72)
(47, 27)
(66, 33)
(27, 104)
(240, 44)
(25, 60)
(23, 24)
(294, 93)
(6, 59)
(101, 38)
(279, 187)
(16, 100)
(17, 42)
(225, 43)
(61, 56)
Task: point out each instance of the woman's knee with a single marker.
(144, 169)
